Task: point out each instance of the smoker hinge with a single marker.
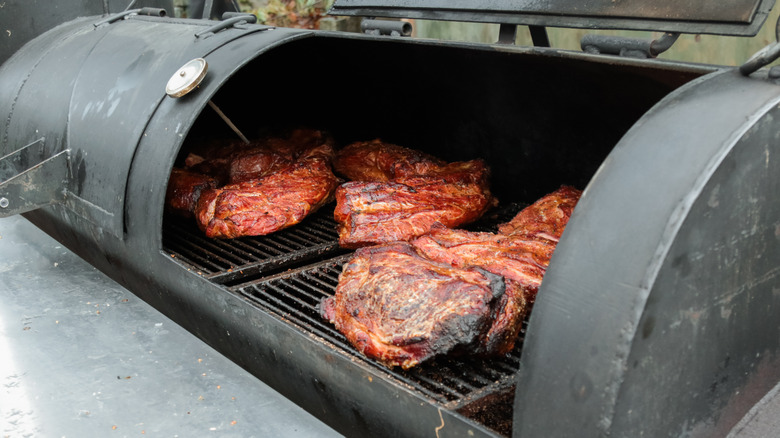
(386, 27)
(229, 19)
(30, 180)
(627, 47)
(151, 12)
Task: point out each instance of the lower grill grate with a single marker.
(288, 273)
(294, 296)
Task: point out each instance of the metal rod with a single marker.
(539, 36)
(227, 120)
(507, 33)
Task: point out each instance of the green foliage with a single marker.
(290, 13)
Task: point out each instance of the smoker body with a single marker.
(24, 20)
(664, 284)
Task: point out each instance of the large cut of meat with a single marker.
(376, 160)
(184, 189)
(520, 251)
(236, 162)
(400, 193)
(277, 153)
(545, 217)
(221, 162)
(400, 308)
(520, 255)
(273, 202)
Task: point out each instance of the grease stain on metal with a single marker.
(581, 386)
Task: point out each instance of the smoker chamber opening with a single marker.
(538, 122)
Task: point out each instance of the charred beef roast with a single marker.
(391, 305)
(399, 193)
(401, 308)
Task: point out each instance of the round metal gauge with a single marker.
(187, 78)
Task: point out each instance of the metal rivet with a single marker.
(4, 202)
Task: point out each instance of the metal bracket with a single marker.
(29, 182)
(539, 36)
(507, 34)
(627, 47)
(386, 27)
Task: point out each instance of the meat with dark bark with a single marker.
(184, 189)
(405, 206)
(520, 257)
(402, 309)
(273, 202)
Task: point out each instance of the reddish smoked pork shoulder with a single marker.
(383, 302)
(267, 204)
(184, 189)
(238, 190)
(399, 193)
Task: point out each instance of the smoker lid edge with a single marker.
(735, 18)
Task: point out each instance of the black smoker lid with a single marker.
(726, 17)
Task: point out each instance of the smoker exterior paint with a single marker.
(673, 329)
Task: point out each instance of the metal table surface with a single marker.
(81, 356)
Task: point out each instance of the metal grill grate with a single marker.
(247, 266)
(294, 297)
(229, 261)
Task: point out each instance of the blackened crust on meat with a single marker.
(397, 273)
(402, 309)
(184, 190)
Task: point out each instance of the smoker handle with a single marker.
(763, 57)
(151, 12)
(28, 182)
(386, 27)
(233, 20)
(629, 47)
